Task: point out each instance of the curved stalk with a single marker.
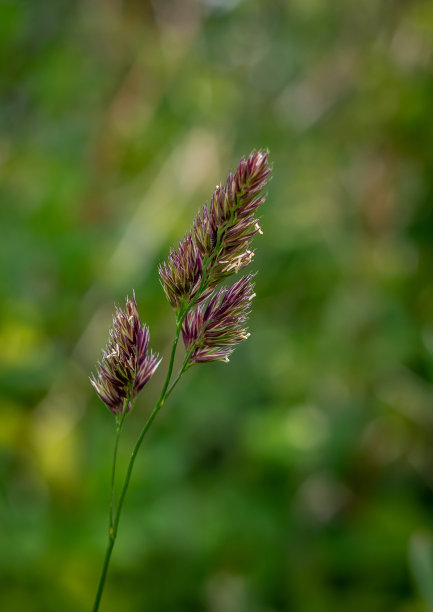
(114, 519)
(166, 391)
(247, 183)
(111, 519)
(113, 470)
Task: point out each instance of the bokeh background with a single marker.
(298, 478)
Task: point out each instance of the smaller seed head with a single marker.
(210, 332)
(181, 274)
(126, 364)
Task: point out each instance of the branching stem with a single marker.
(115, 514)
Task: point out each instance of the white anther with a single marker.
(114, 352)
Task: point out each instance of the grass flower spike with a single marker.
(126, 364)
(224, 229)
(181, 275)
(219, 243)
(211, 332)
(211, 321)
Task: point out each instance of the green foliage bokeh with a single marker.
(298, 477)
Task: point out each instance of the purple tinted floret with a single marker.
(181, 274)
(126, 364)
(211, 332)
(220, 240)
(224, 229)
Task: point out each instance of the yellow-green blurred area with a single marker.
(299, 476)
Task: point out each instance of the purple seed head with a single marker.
(210, 332)
(126, 364)
(224, 229)
(219, 243)
(181, 274)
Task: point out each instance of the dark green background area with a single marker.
(299, 477)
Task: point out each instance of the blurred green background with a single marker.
(298, 478)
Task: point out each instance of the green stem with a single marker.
(164, 394)
(107, 558)
(113, 471)
(111, 519)
(183, 369)
(114, 520)
(166, 391)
